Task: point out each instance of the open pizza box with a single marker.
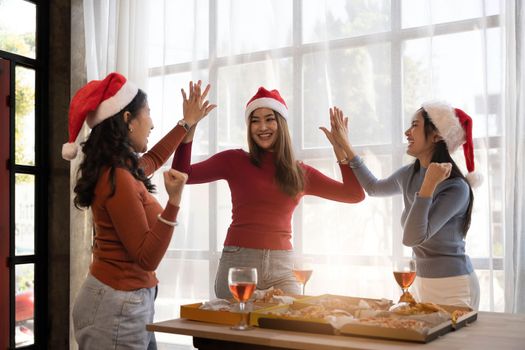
(301, 316)
(422, 335)
(231, 317)
(229, 314)
(296, 317)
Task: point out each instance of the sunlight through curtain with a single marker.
(376, 59)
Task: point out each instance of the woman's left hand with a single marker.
(338, 133)
(436, 174)
(195, 106)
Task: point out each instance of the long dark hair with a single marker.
(288, 173)
(441, 155)
(108, 145)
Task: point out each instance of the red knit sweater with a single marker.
(129, 239)
(261, 212)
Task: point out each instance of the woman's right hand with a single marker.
(174, 182)
(338, 133)
(195, 106)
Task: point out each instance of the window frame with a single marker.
(40, 171)
(395, 150)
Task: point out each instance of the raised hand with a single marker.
(195, 106)
(174, 182)
(338, 134)
(436, 173)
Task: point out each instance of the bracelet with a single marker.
(344, 161)
(167, 222)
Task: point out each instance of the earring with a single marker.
(130, 129)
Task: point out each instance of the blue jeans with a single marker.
(106, 318)
(274, 269)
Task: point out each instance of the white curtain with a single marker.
(116, 35)
(515, 156)
(376, 59)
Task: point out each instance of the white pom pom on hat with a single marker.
(94, 103)
(455, 127)
(266, 99)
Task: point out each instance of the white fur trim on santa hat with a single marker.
(112, 105)
(266, 102)
(475, 179)
(69, 150)
(445, 120)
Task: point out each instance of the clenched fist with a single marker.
(436, 173)
(174, 182)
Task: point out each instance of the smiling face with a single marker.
(140, 128)
(420, 145)
(263, 128)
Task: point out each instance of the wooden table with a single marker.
(492, 330)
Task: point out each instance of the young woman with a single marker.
(266, 184)
(438, 199)
(132, 230)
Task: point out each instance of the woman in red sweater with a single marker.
(266, 185)
(132, 230)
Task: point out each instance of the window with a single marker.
(377, 60)
(22, 194)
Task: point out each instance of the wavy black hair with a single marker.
(441, 154)
(108, 145)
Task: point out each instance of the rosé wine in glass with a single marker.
(242, 282)
(405, 274)
(302, 270)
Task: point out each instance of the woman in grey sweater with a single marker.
(438, 198)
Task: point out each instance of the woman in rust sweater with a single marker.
(132, 230)
(266, 185)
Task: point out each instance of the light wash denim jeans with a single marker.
(106, 318)
(274, 268)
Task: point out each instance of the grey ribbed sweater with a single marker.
(431, 226)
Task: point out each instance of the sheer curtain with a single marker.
(515, 156)
(377, 60)
(116, 39)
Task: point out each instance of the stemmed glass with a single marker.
(302, 270)
(242, 282)
(405, 274)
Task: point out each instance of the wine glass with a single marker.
(405, 274)
(242, 282)
(302, 270)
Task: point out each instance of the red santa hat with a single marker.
(455, 127)
(266, 99)
(95, 102)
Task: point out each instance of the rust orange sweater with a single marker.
(129, 239)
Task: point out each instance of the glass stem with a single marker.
(304, 285)
(243, 316)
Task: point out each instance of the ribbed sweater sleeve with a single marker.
(160, 153)
(373, 186)
(145, 245)
(317, 184)
(427, 216)
(214, 168)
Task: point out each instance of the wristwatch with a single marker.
(184, 124)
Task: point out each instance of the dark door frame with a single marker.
(8, 169)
